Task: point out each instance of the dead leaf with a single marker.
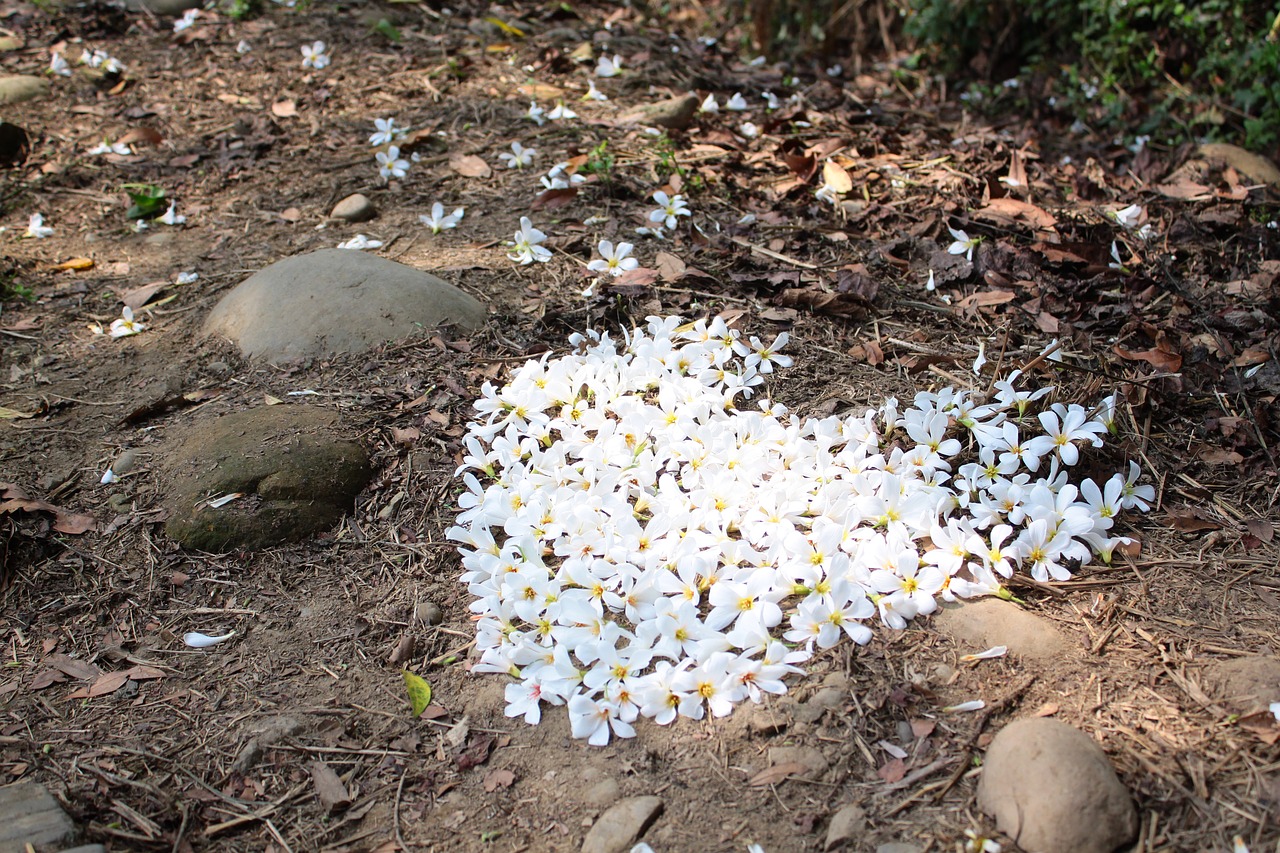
(76, 264)
(777, 773)
(892, 770)
(834, 176)
(63, 521)
(1160, 359)
(47, 678)
(1048, 709)
(1188, 522)
(670, 268)
(149, 135)
(77, 669)
(291, 214)
(1010, 212)
(638, 277)
(551, 199)
(330, 791)
(405, 436)
(284, 109)
(496, 779)
(986, 299)
(469, 166)
(540, 91)
(1262, 529)
(1219, 456)
(105, 684)
(139, 296)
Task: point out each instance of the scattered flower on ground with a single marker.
(58, 65)
(561, 112)
(438, 221)
(36, 227)
(243, 47)
(171, 216)
(314, 55)
(669, 207)
(709, 104)
(749, 130)
(560, 178)
(594, 94)
(125, 325)
(188, 277)
(614, 261)
(519, 157)
(391, 164)
(386, 132)
(737, 103)
(360, 241)
(643, 538)
(102, 59)
(964, 244)
(536, 114)
(105, 147)
(607, 67)
(187, 20)
(525, 245)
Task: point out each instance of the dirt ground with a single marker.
(218, 749)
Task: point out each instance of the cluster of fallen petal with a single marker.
(643, 547)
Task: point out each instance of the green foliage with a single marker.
(666, 164)
(239, 10)
(11, 289)
(387, 30)
(147, 200)
(1174, 69)
(600, 162)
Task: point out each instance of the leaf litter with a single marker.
(1185, 332)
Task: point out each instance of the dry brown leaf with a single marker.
(149, 135)
(1187, 522)
(405, 436)
(1011, 212)
(551, 199)
(76, 264)
(834, 176)
(1219, 456)
(469, 166)
(1158, 357)
(892, 770)
(1261, 529)
(670, 268)
(139, 296)
(495, 779)
(284, 109)
(777, 773)
(986, 299)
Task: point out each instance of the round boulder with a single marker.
(262, 477)
(16, 88)
(1052, 788)
(336, 300)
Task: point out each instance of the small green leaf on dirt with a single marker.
(419, 692)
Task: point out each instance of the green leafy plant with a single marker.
(11, 289)
(148, 200)
(239, 10)
(1171, 69)
(387, 30)
(600, 162)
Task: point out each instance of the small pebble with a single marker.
(125, 462)
(428, 613)
(620, 827)
(354, 208)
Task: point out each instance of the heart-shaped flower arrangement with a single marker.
(641, 546)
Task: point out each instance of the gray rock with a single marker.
(674, 113)
(898, 847)
(980, 624)
(597, 788)
(619, 827)
(336, 300)
(125, 462)
(16, 88)
(811, 758)
(297, 470)
(163, 7)
(1246, 683)
(11, 43)
(355, 208)
(846, 824)
(428, 613)
(1052, 788)
(29, 815)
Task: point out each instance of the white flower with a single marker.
(771, 101)
(749, 130)
(979, 844)
(188, 277)
(58, 65)
(737, 103)
(186, 21)
(1116, 262)
(709, 104)
(360, 241)
(171, 216)
(615, 261)
(101, 59)
(390, 163)
(835, 70)
(559, 178)
(561, 112)
(536, 114)
(125, 325)
(105, 147)
(930, 285)
(607, 67)
(1275, 710)
(243, 47)
(519, 156)
(36, 227)
(827, 193)
(594, 94)
(1129, 217)
(525, 244)
(438, 221)
(196, 640)
(314, 55)
(964, 244)
(386, 132)
(669, 207)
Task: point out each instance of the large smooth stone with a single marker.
(619, 828)
(296, 468)
(1052, 788)
(1246, 684)
(336, 300)
(163, 7)
(15, 89)
(981, 623)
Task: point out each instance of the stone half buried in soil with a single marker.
(1052, 788)
(336, 300)
(295, 469)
